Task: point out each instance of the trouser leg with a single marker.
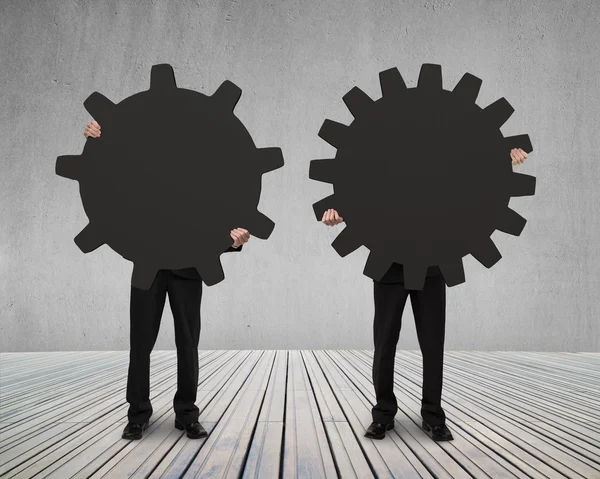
(389, 304)
(146, 309)
(429, 307)
(185, 296)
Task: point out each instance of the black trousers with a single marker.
(146, 309)
(429, 307)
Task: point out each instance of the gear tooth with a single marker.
(228, 94)
(162, 77)
(211, 272)
(453, 273)
(269, 159)
(430, 77)
(333, 132)
(522, 185)
(143, 276)
(414, 276)
(519, 141)
(69, 166)
(357, 101)
(392, 83)
(468, 87)
(486, 253)
(498, 112)
(89, 239)
(322, 170)
(510, 222)
(346, 242)
(260, 225)
(323, 205)
(99, 107)
(376, 266)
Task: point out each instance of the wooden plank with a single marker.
(50, 386)
(178, 461)
(536, 378)
(475, 457)
(432, 454)
(142, 460)
(503, 435)
(19, 362)
(224, 452)
(81, 406)
(265, 451)
(387, 459)
(518, 404)
(102, 435)
(12, 456)
(584, 367)
(306, 452)
(483, 456)
(526, 378)
(513, 414)
(35, 397)
(39, 376)
(349, 458)
(547, 418)
(109, 380)
(123, 450)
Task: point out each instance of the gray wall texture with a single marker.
(294, 60)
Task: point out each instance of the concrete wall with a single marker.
(294, 60)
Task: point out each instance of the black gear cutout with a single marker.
(172, 173)
(422, 176)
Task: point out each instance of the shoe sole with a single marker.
(179, 426)
(389, 427)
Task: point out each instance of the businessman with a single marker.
(429, 308)
(184, 287)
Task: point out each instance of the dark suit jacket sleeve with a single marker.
(231, 248)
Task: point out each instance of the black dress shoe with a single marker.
(377, 430)
(438, 433)
(134, 430)
(194, 429)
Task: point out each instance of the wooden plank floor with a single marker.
(297, 414)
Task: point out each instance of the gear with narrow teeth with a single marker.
(422, 176)
(172, 173)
